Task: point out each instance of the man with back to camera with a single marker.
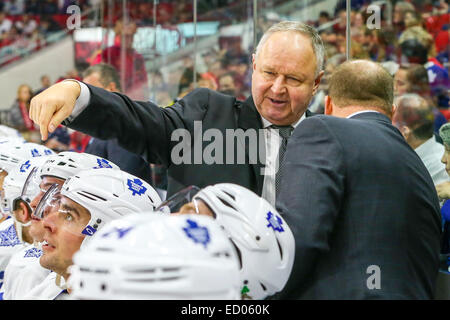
(287, 68)
(361, 205)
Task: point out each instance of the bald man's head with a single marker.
(414, 113)
(364, 84)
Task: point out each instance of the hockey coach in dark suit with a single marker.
(360, 202)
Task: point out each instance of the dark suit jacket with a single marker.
(355, 195)
(127, 161)
(146, 129)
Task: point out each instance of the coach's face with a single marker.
(283, 80)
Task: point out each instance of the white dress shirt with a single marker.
(431, 152)
(272, 143)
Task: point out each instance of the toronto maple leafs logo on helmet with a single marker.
(275, 222)
(103, 163)
(197, 233)
(120, 232)
(24, 167)
(35, 153)
(136, 187)
(33, 253)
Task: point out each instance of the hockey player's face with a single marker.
(197, 206)
(63, 235)
(36, 229)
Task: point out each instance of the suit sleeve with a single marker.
(140, 127)
(310, 196)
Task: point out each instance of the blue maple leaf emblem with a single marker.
(48, 152)
(275, 222)
(120, 232)
(102, 163)
(33, 253)
(8, 237)
(136, 187)
(196, 233)
(24, 167)
(35, 153)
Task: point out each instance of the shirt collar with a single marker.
(359, 112)
(425, 147)
(266, 123)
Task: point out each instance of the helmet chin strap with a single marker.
(19, 225)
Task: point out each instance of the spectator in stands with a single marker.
(59, 140)
(14, 7)
(414, 118)
(10, 37)
(49, 7)
(105, 76)
(227, 85)
(187, 77)
(47, 26)
(416, 50)
(414, 30)
(217, 69)
(18, 113)
(5, 24)
(45, 83)
(324, 17)
(27, 25)
(399, 15)
(341, 25)
(133, 73)
(32, 7)
(413, 78)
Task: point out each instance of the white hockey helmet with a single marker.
(15, 180)
(8, 132)
(106, 194)
(11, 153)
(264, 241)
(68, 163)
(62, 166)
(156, 256)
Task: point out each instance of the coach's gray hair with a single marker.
(302, 28)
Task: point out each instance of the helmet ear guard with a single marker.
(264, 241)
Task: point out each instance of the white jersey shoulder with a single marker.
(9, 244)
(23, 273)
(47, 289)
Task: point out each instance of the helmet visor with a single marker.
(64, 213)
(31, 187)
(176, 201)
(49, 202)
